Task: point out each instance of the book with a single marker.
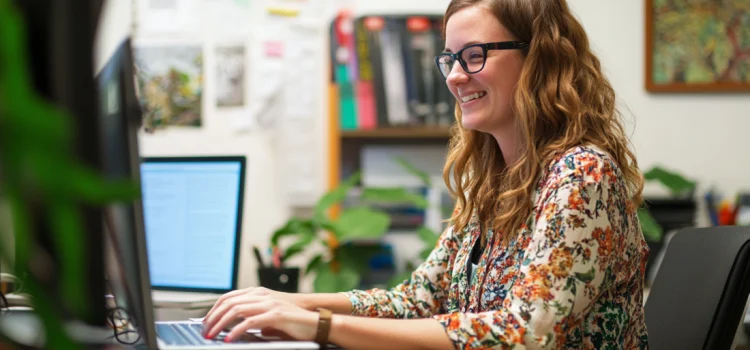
(365, 91)
(343, 58)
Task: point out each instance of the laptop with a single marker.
(192, 207)
(126, 246)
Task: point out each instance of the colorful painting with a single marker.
(697, 45)
(170, 84)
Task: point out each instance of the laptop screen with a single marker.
(192, 210)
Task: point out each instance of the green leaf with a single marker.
(361, 223)
(422, 175)
(651, 229)
(326, 224)
(297, 247)
(328, 281)
(72, 252)
(315, 264)
(586, 277)
(674, 182)
(292, 227)
(428, 236)
(336, 195)
(394, 195)
(357, 256)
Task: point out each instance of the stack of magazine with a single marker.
(384, 73)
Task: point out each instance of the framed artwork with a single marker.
(697, 46)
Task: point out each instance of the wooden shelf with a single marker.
(398, 133)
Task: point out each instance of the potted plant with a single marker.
(40, 174)
(660, 215)
(345, 258)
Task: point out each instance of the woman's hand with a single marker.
(260, 308)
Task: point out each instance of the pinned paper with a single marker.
(168, 17)
(230, 76)
(284, 12)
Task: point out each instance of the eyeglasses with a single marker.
(473, 57)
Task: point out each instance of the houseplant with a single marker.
(339, 268)
(40, 174)
(678, 186)
(658, 216)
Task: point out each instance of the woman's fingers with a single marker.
(210, 321)
(234, 314)
(223, 298)
(260, 321)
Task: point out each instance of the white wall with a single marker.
(263, 209)
(700, 135)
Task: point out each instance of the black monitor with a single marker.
(120, 119)
(194, 203)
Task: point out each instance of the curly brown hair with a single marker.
(561, 100)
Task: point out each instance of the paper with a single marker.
(230, 76)
(303, 57)
(170, 81)
(168, 17)
(228, 18)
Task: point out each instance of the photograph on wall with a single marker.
(230, 76)
(701, 45)
(170, 81)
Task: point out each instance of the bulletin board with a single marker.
(245, 66)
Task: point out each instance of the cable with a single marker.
(6, 304)
(118, 319)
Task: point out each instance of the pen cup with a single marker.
(282, 280)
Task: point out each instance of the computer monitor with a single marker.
(127, 261)
(125, 247)
(192, 208)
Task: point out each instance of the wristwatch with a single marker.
(324, 327)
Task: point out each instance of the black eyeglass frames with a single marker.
(473, 57)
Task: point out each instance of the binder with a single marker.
(343, 58)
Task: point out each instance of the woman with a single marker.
(545, 249)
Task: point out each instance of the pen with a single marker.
(276, 258)
(258, 257)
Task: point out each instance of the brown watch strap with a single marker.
(324, 327)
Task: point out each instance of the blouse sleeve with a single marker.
(419, 297)
(569, 262)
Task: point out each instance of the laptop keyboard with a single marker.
(191, 334)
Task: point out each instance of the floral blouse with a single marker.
(572, 278)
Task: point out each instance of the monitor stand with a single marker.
(186, 300)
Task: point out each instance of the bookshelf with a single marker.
(349, 144)
(384, 88)
(385, 91)
(421, 133)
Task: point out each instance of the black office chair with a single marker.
(700, 290)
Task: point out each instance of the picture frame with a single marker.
(697, 46)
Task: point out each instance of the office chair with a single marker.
(700, 291)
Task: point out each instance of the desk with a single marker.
(24, 327)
